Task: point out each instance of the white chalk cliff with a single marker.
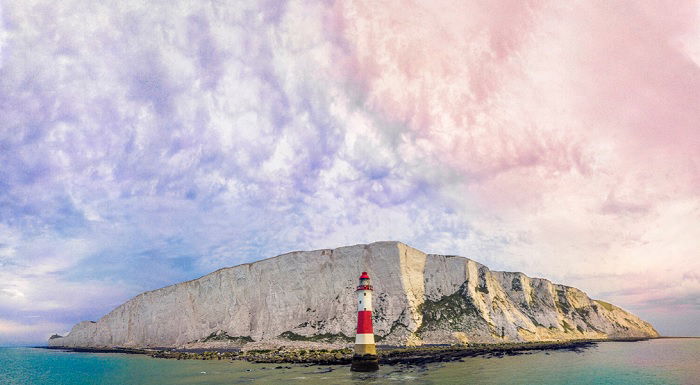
(310, 296)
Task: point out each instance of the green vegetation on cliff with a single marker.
(452, 312)
(325, 337)
(223, 336)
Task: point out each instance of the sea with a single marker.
(659, 361)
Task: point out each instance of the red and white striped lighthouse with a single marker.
(365, 357)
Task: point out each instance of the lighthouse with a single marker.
(365, 357)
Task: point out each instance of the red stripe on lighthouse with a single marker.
(364, 322)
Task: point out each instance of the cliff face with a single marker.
(309, 296)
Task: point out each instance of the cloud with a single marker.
(178, 140)
(560, 132)
(181, 138)
(15, 333)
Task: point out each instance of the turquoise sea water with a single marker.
(664, 361)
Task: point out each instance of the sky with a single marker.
(147, 143)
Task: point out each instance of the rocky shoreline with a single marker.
(407, 356)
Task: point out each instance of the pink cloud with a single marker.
(641, 89)
(452, 73)
(577, 125)
(486, 88)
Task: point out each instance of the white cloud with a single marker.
(192, 135)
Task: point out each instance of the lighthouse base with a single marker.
(365, 363)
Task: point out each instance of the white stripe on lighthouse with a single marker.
(364, 339)
(364, 300)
